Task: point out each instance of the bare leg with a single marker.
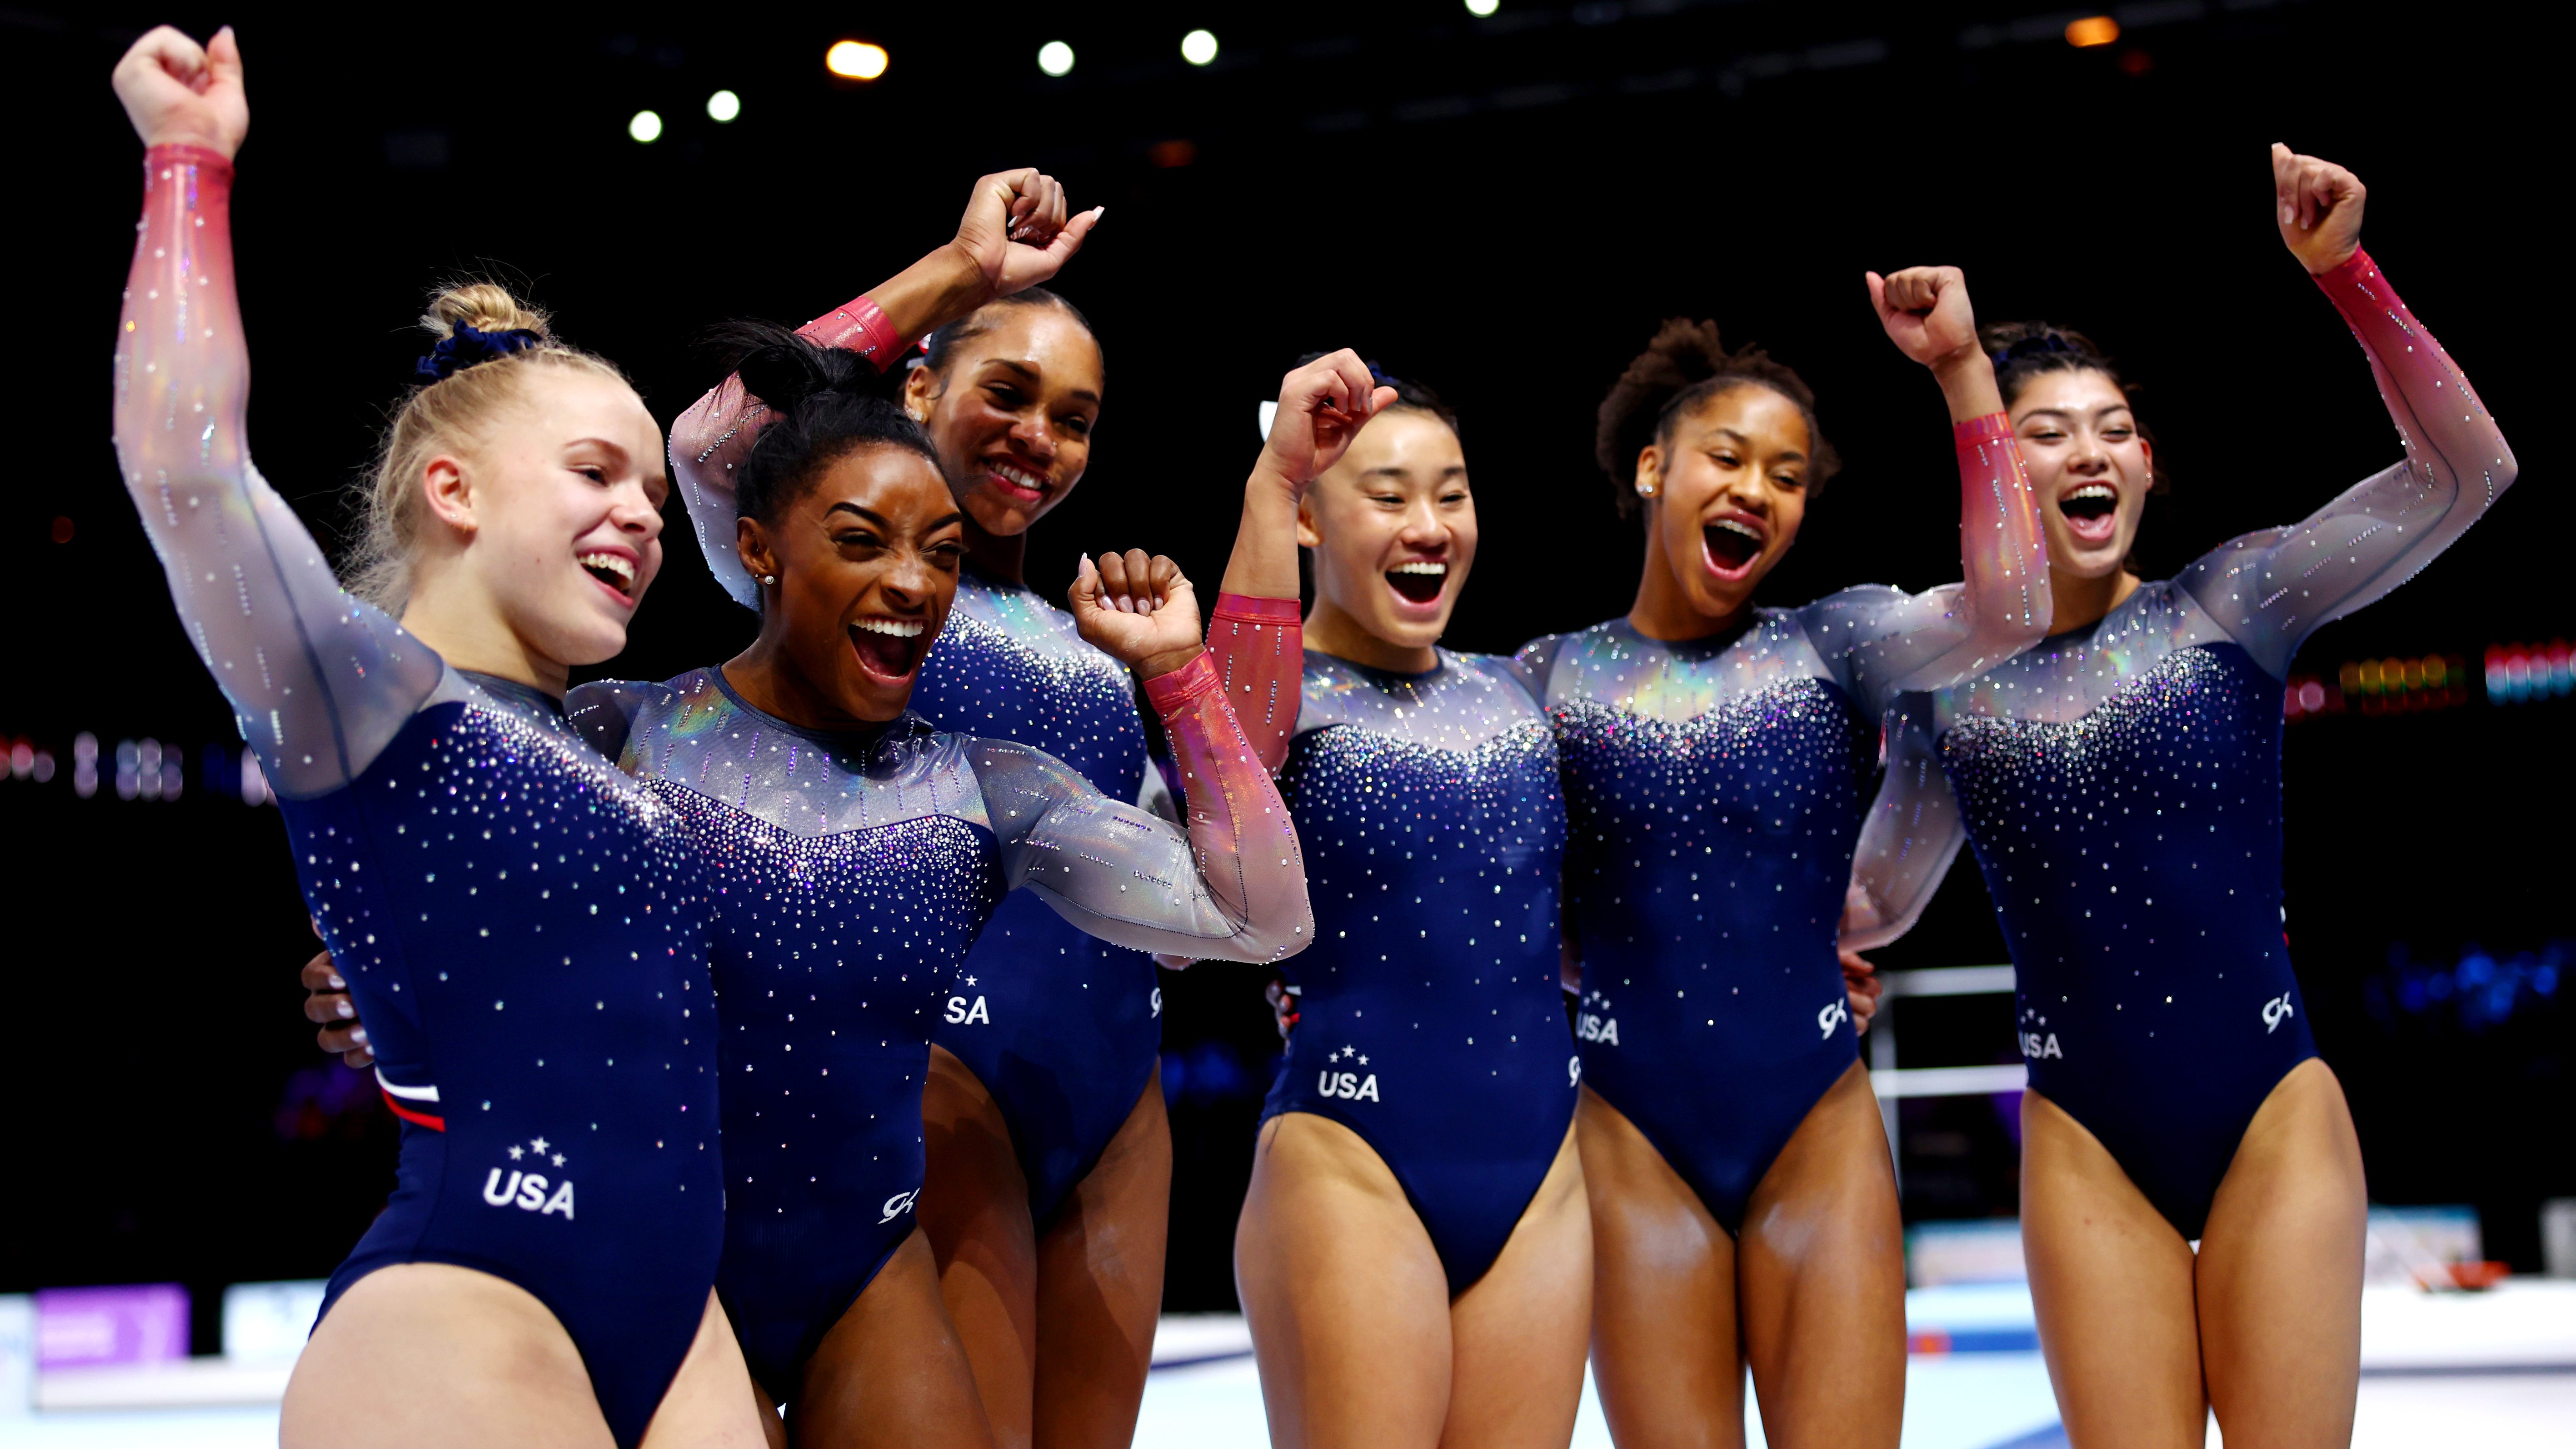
(1348, 1304)
(2112, 1281)
(891, 1372)
(1517, 1334)
(1665, 1354)
(1820, 1270)
(430, 1354)
(974, 1209)
(1100, 1287)
(2280, 1272)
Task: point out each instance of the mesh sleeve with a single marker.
(1231, 887)
(1882, 641)
(716, 434)
(2271, 590)
(1911, 834)
(320, 681)
(1260, 651)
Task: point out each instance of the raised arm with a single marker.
(320, 682)
(1232, 886)
(2001, 606)
(1256, 635)
(1908, 839)
(2272, 589)
(1015, 235)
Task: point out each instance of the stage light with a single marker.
(1482, 8)
(1055, 58)
(723, 106)
(646, 127)
(2091, 31)
(856, 59)
(1198, 47)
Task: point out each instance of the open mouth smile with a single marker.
(1731, 545)
(1016, 483)
(889, 649)
(1418, 581)
(2092, 512)
(614, 571)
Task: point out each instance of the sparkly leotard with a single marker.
(2121, 785)
(1062, 1028)
(1713, 791)
(523, 928)
(852, 872)
(1430, 1019)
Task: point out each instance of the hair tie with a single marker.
(2029, 347)
(1378, 376)
(466, 345)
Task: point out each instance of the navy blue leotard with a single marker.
(523, 928)
(852, 873)
(1430, 1018)
(2121, 785)
(1063, 1029)
(1713, 792)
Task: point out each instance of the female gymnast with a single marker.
(1414, 1252)
(1715, 758)
(1049, 1154)
(2175, 1093)
(544, 1271)
(861, 852)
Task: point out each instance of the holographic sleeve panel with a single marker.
(1910, 836)
(1260, 649)
(716, 433)
(1233, 888)
(1888, 641)
(321, 682)
(2272, 589)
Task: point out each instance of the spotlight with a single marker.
(723, 106)
(646, 127)
(1055, 58)
(1483, 8)
(1198, 47)
(2091, 31)
(855, 59)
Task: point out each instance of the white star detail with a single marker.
(1332, 1056)
(558, 1159)
(1363, 1061)
(1350, 1051)
(516, 1152)
(970, 980)
(538, 1143)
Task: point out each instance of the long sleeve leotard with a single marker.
(1430, 1020)
(481, 877)
(2121, 785)
(1048, 1005)
(855, 872)
(1714, 790)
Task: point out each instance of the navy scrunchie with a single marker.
(466, 346)
(2030, 347)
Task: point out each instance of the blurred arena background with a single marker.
(1498, 198)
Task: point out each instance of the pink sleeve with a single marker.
(2271, 589)
(1260, 649)
(716, 432)
(1240, 833)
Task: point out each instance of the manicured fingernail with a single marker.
(336, 982)
(358, 1034)
(346, 1010)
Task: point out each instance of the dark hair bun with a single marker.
(1686, 364)
(829, 403)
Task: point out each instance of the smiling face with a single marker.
(866, 561)
(1729, 482)
(2088, 465)
(563, 491)
(1393, 528)
(1011, 414)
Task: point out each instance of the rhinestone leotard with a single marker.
(2121, 786)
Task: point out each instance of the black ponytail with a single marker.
(829, 403)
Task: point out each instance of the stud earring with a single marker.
(769, 580)
(1645, 489)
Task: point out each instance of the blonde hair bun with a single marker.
(485, 307)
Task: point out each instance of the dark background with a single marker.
(1503, 208)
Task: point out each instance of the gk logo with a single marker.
(899, 1204)
(961, 1014)
(1574, 1071)
(1833, 1016)
(1158, 1001)
(2274, 1011)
